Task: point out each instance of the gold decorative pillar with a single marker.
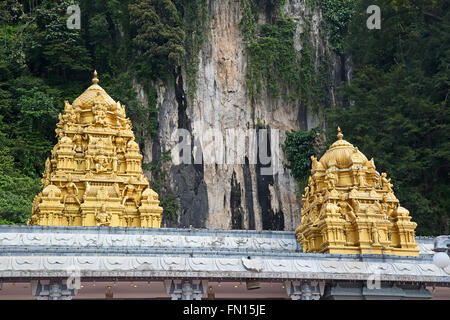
(150, 211)
(49, 211)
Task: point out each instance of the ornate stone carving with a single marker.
(94, 176)
(359, 212)
(102, 216)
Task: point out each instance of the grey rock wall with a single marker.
(230, 196)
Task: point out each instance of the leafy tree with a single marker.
(337, 14)
(54, 50)
(299, 146)
(16, 189)
(158, 36)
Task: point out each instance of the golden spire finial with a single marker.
(339, 135)
(95, 79)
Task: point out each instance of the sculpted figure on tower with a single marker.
(94, 169)
(358, 211)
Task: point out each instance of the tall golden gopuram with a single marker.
(94, 176)
(349, 208)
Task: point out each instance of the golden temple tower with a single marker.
(94, 176)
(348, 207)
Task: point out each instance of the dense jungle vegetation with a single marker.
(395, 109)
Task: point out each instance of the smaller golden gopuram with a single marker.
(349, 208)
(94, 176)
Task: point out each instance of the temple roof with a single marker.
(342, 154)
(349, 208)
(94, 176)
(88, 96)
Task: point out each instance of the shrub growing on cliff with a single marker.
(299, 146)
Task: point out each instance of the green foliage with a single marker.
(16, 197)
(315, 82)
(159, 36)
(273, 62)
(53, 49)
(195, 24)
(169, 201)
(171, 205)
(337, 15)
(16, 190)
(30, 115)
(299, 146)
(396, 108)
(43, 63)
(271, 53)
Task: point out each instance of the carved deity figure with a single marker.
(391, 209)
(118, 111)
(102, 216)
(345, 208)
(305, 218)
(99, 114)
(120, 143)
(314, 215)
(59, 133)
(128, 125)
(385, 207)
(100, 163)
(313, 162)
(332, 208)
(131, 192)
(114, 164)
(60, 124)
(311, 184)
(69, 117)
(361, 177)
(306, 195)
(376, 208)
(375, 234)
(77, 111)
(386, 183)
(77, 141)
(71, 190)
(330, 180)
(45, 181)
(48, 168)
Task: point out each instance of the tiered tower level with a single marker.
(94, 176)
(348, 207)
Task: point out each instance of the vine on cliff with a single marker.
(274, 63)
(299, 147)
(315, 74)
(195, 24)
(272, 57)
(338, 14)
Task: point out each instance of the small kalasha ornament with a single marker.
(94, 176)
(348, 207)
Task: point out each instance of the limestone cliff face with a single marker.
(230, 196)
